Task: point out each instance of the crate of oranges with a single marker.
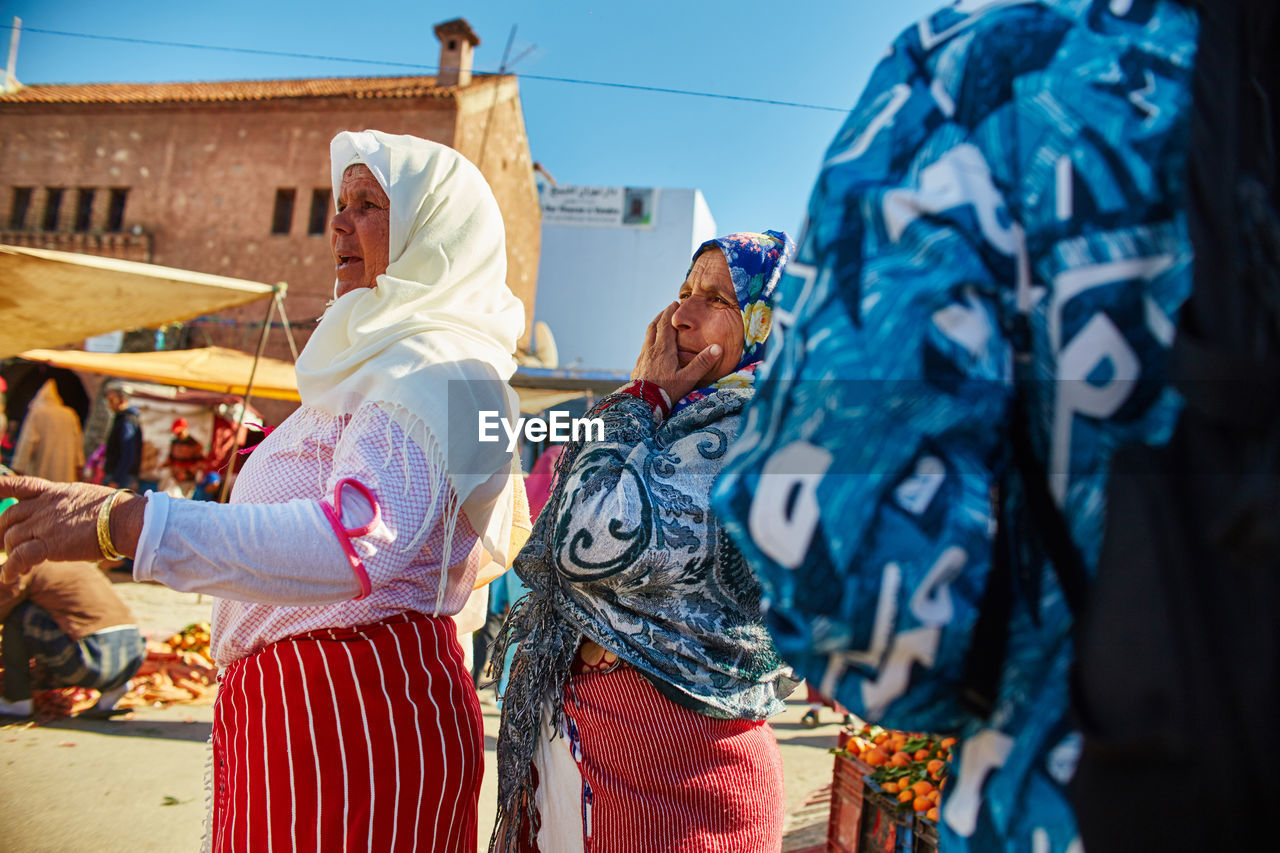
(903, 776)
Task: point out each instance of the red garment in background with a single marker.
(221, 444)
(813, 697)
(541, 479)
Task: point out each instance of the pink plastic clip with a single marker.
(334, 514)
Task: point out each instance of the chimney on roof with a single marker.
(457, 40)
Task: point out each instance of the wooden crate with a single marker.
(926, 835)
(885, 827)
(845, 824)
(866, 820)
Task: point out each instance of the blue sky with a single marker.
(754, 163)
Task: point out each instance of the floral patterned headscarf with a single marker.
(756, 262)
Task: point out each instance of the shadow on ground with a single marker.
(821, 741)
(195, 731)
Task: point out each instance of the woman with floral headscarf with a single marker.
(345, 716)
(634, 715)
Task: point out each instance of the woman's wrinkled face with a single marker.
(360, 232)
(709, 314)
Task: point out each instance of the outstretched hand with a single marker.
(659, 360)
(59, 521)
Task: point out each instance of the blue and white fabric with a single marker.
(999, 218)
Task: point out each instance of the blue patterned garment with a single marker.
(1004, 202)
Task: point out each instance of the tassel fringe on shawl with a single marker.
(538, 675)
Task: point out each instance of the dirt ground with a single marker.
(136, 783)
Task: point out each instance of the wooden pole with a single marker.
(248, 393)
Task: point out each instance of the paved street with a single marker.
(136, 784)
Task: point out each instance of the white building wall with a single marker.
(600, 285)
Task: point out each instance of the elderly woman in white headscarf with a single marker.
(356, 529)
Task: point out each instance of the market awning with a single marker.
(227, 371)
(52, 299)
(207, 368)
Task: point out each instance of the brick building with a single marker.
(233, 177)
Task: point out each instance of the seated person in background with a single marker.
(66, 617)
(208, 488)
(186, 457)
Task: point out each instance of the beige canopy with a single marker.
(227, 370)
(53, 299)
(208, 368)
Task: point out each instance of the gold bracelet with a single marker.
(105, 544)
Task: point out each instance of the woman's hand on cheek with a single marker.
(659, 360)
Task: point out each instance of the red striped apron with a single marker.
(659, 777)
(344, 739)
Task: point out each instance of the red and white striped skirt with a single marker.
(366, 738)
(636, 773)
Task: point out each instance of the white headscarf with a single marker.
(441, 312)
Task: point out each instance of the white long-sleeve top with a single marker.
(274, 561)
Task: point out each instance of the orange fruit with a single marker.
(906, 796)
(900, 759)
(921, 788)
(875, 756)
(934, 795)
(932, 813)
(921, 804)
(935, 766)
(921, 754)
(890, 787)
(948, 742)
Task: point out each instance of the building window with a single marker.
(52, 207)
(84, 209)
(18, 210)
(282, 219)
(319, 211)
(115, 208)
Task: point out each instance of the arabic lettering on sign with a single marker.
(602, 206)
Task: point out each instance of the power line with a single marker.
(421, 67)
(688, 92)
(222, 48)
